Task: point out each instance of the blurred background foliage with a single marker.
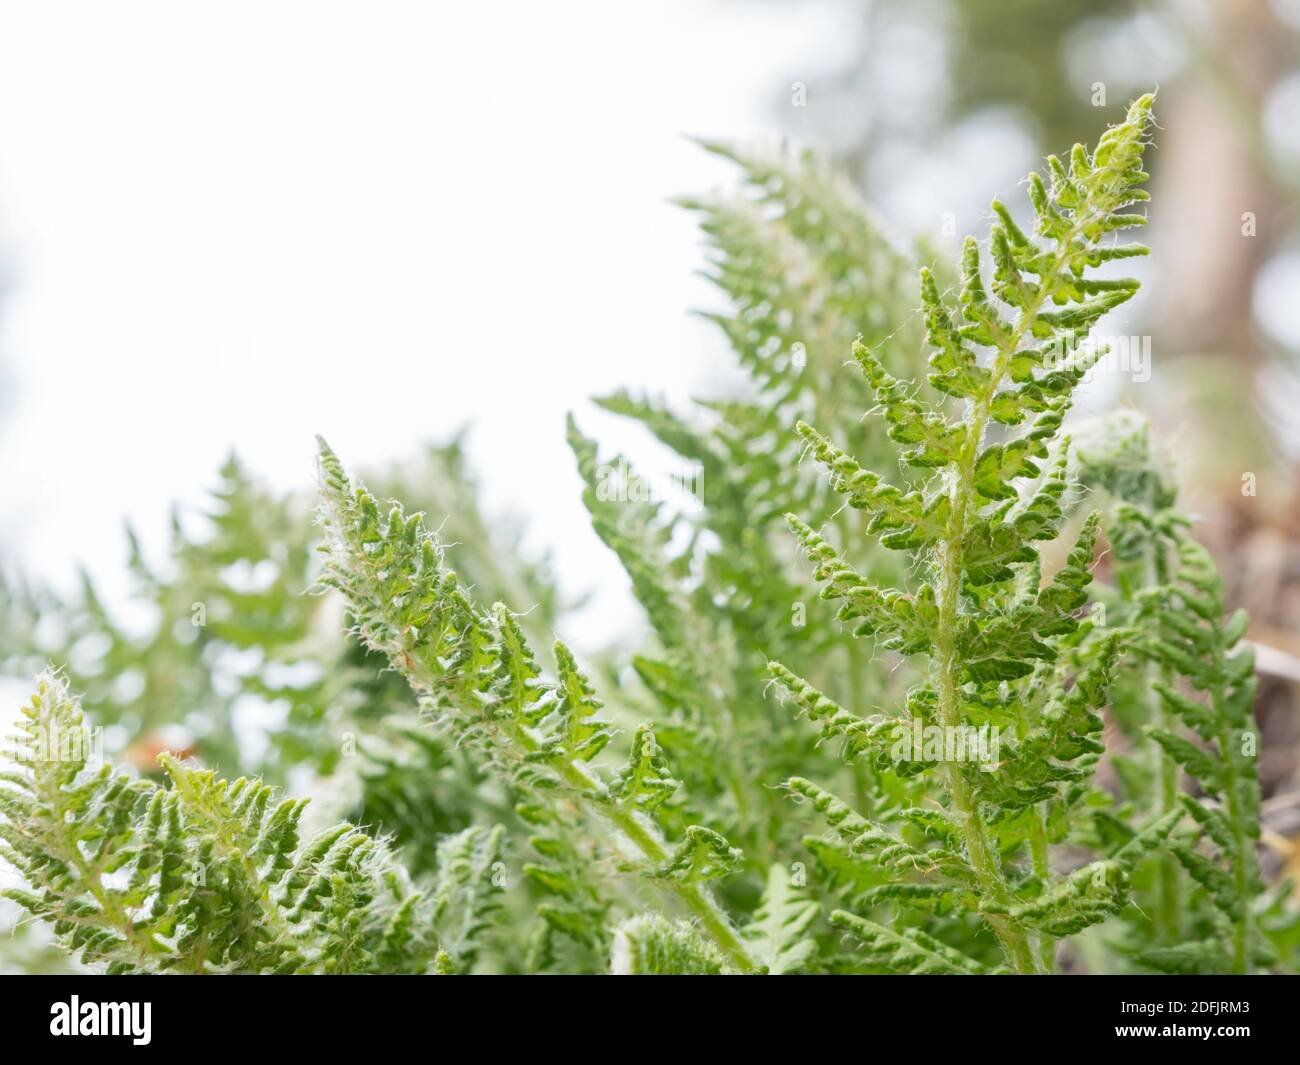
(222, 652)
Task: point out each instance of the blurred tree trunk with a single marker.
(1213, 183)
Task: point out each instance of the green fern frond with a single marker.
(652, 945)
(205, 875)
(466, 896)
(1013, 355)
(910, 951)
(484, 688)
(1196, 641)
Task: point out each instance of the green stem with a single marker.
(861, 780)
(1168, 916)
(987, 864)
(1240, 842)
(1042, 870)
(696, 898)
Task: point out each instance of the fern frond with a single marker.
(971, 527)
(467, 892)
(485, 689)
(1195, 640)
(910, 951)
(803, 263)
(207, 875)
(652, 945)
(777, 933)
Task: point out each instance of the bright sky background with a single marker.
(242, 224)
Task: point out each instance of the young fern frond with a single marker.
(1197, 642)
(805, 267)
(1011, 351)
(466, 895)
(484, 687)
(910, 950)
(652, 945)
(776, 934)
(1188, 705)
(694, 667)
(205, 875)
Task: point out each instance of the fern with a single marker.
(1195, 641)
(909, 951)
(777, 933)
(466, 897)
(482, 682)
(651, 945)
(994, 637)
(804, 267)
(933, 751)
(1188, 706)
(205, 875)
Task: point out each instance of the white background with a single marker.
(237, 225)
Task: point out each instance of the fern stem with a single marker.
(1169, 913)
(987, 865)
(696, 898)
(1042, 870)
(857, 697)
(1169, 918)
(1240, 874)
